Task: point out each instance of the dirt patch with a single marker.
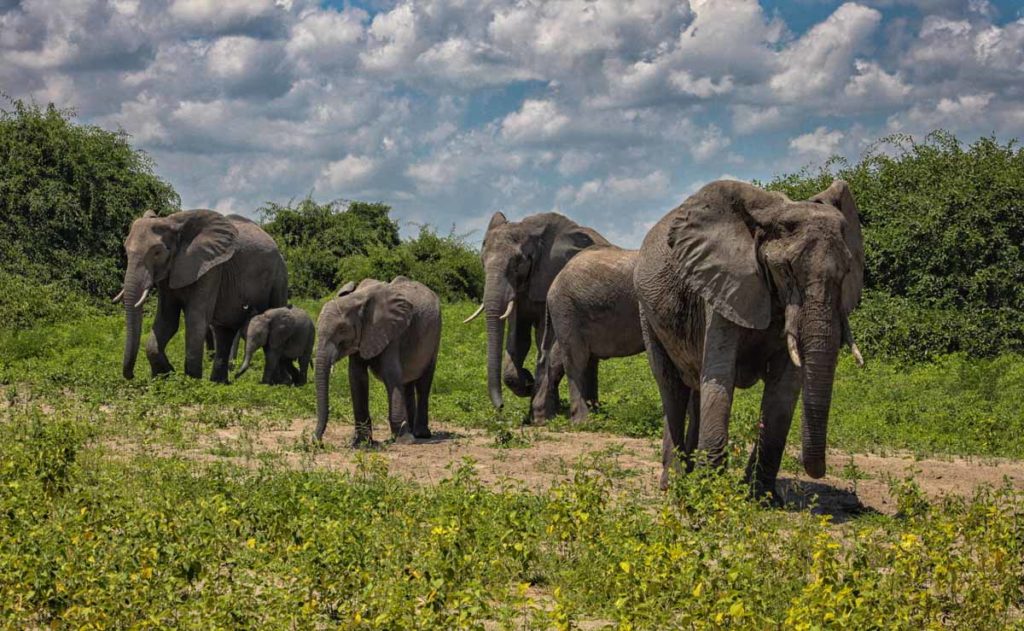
(857, 483)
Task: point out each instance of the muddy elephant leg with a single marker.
(222, 346)
(717, 382)
(675, 396)
(781, 390)
(421, 428)
(516, 378)
(165, 325)
(359, 386)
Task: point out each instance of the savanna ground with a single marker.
(181, 503)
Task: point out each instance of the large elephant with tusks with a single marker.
(521, 260)
(215, 269)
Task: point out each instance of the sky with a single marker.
(609, 111)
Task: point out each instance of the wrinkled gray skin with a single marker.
(592, 314)
(738, 285)
(521, 260)
(206, 265)
(286, 336)
(393, 330)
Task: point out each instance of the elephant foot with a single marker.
(423, 433)
(364, 442)
(405, 439)
(767, 492)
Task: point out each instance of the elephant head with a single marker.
(521, 259)
(752, 254)
(361, 320)
(178, 248)
(256, 332)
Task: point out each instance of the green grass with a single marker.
(954, 406)
(110, 519)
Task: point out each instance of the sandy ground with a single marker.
(547, 457)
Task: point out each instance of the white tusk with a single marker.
(508, 310)
(794, 352)
(145, 294)
(857, 357)
(117, 298)
(475, 314)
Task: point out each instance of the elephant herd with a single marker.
(734, 286)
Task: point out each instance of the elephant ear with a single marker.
(839, 196)
(712, 238)
(206, 239)
(385, 315)
(346, 289)
(560, 244)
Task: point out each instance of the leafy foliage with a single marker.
(944, 242)
(68, 194)
(314, 237)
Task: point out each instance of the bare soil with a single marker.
(547, 457)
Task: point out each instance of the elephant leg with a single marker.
(359, 386)
(717, 383)
(168, 317)
(211, 343)
(196, 323)
(692, 429)
(516, 378)
(234, 347)
(398, 415)
(421, 428)
(224, 337)
(576, 361)
(781, 390)
(590, 382)
(550, 370)
(271, 366)
(410, 405)
(303, 370)
(675, 397)
(298, 377)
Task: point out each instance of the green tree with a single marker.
(314, 237)
(68, 194)
(944, 242)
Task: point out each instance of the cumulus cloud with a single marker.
(451, 109)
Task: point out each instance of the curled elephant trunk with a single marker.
(249, 350)
(136, 287)
(324, 360)
(820, 345)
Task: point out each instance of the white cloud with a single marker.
(535, 120)
(348, 172)
(712, 142)
(747, 119)
(818, 144)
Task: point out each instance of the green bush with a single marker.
(68, 194)
(314, 237)
(447, 264)
(944, 242)
(26, 302)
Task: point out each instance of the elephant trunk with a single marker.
(497, 295)
(324, 359)
(819, 341)
(249, 350)
(137, 281)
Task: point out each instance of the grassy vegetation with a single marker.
(96, 535)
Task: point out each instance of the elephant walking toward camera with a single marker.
(392, 329)
(212, 268)
(592, 314)
(521, 260)
(737, 285)
(286, 336)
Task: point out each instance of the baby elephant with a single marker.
(393, 329)
(285, 334)
(592, 314)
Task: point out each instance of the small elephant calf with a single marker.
(392, 329)
(285, 334)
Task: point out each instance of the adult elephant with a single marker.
(592, 314)
(215, 269)
(737, 285)
(521, 259)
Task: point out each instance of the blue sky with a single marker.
(610, 111)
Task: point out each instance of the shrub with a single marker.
(68, 194)
(944, 242)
